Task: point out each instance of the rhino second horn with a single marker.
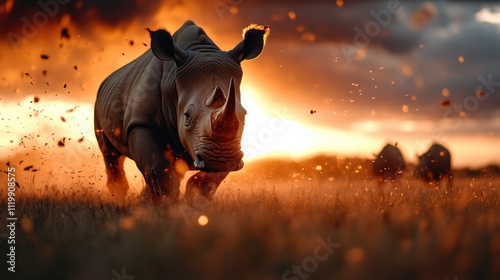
(225, 121)
(216, 99)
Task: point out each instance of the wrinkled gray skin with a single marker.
(435, 164)
(389, 163)
(176, 105)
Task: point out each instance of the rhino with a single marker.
(435, 164)
(389, 163)
(176, 108)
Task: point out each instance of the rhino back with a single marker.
(132, 96)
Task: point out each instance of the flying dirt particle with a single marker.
(144, 44)
(203, 220)
(461, 59)
(65, 33)
(131, 42)
(312, 111)
(36, 99)
(81, 139)
(71, 110)
(21, 161)
(339, 3)
(64, 86)
(28, 168)
(8, 163)
(479, 93)
(75, 67)
(28, 74)
(63, 119)
(44, 56)
(44, 73)
(405, 108)
(60, 143)
(445, 103)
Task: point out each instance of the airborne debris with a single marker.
(479, 93)
(44, 56)
(312, 111)
(60, 143)
(28, 168)
(445, 103)
(72, 109)
(131, 42)
(65, 33)
(75, 67)
(44, 73)
(63, 119)
(36, 99)
(64, 86)
(81, 139)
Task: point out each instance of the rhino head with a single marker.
(210, 116)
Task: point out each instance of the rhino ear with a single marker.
(253, 43)
(163, 46)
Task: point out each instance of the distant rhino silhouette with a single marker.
(177, 105)
(435, 165)
(389, 163)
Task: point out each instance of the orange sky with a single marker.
(387, 92)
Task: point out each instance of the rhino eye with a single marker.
(188, 115)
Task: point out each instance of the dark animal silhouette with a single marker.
(435, 165)
(174, 108)
(389, 163)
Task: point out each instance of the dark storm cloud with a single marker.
(324, 21)
(43, 12)
(425, 39)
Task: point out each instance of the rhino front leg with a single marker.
(113, 159)
(201, 187)
(150, 157)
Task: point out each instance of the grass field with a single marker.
(291, 226)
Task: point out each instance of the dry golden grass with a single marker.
(260, 228)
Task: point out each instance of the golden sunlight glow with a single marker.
(280, 133)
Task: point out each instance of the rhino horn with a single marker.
(225, 122)
(217, 99)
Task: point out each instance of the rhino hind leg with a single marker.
(116, 183)
(201, 187)
(151, 159)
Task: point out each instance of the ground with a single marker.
(298, 225)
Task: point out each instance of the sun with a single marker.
(269, 133)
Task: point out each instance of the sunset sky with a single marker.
(336, 77)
